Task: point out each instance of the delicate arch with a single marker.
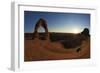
(41, 22)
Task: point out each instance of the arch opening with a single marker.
(41, 30)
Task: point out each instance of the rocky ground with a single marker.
(37, 50)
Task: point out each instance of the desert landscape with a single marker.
(56, 36)
(60, 46)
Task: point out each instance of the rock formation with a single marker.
(85, 32)
(41, 22)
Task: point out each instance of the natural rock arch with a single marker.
(41, 22)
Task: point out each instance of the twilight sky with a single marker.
(57, 22)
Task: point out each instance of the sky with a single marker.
(57, 22)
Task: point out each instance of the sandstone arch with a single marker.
(41, 22)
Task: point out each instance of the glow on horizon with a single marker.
(73, 29)
(67, 30)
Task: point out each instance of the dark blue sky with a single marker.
(57, 22)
